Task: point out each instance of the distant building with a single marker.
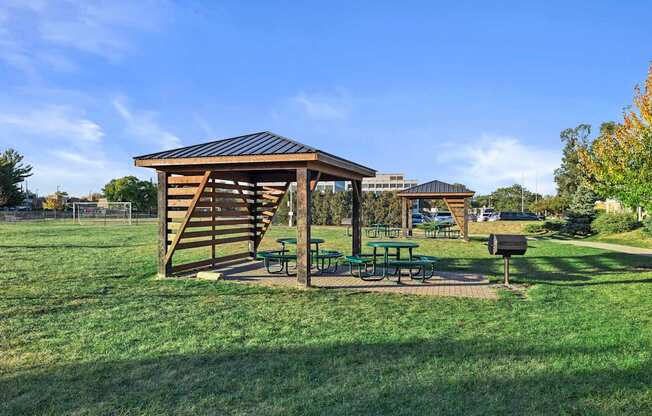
(380, 183)
(383, 182)
(333, 186)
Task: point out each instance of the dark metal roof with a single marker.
(437, 187)
(262, 143)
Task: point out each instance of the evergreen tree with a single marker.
(12, 173)
(338, 207)
(581, 211)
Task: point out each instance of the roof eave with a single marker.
(359, 170)
(436, 194)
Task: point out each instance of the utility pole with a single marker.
(522, 192)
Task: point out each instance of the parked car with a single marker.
(485, 214)
(514, 216)
(443, 218)
(418, 218)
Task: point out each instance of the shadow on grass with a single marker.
(418, 377)
(569, 270)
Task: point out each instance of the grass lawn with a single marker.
(499, 227)
(85, 329)
(634, 238)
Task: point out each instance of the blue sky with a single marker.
(471, 92)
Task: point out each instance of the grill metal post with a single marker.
(506, 264)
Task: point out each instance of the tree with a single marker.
(56, 201)
(581, 211)
(569, 175)
(555, 205)
(142, 194)
(619, 161)
(12, 172)
(508, 198)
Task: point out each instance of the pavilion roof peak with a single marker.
(260, 143)
(437, 187)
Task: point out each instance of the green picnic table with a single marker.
(386, 246)
(293, 241)
(315, 254)
(386, 230)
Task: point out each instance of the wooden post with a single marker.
(164, 267)
(303, 227)
(213, 207)
(356, 218)
(404, 217)
(465, 228)
(506, 265)
(253, 211)
(409, 217)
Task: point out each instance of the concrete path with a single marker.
(607, 246)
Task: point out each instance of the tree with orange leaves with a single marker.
(619, 161)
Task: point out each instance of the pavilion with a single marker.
(226, 192)
(456, 198)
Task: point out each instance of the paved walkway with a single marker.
(466, 285)
(607, 246)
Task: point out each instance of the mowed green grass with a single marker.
(85, 329)
(635, 238)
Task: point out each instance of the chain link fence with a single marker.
(64, 217)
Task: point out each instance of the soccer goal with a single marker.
(101, 212)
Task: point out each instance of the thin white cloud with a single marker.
(494, 161)
(53, 122)
(58, 27)
(144, 126)
(204, 125)
(325, 107)
(79, 158)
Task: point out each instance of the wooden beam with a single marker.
(345, 164)
(303, 227)
(164, 269)
(336, 171)
(356, 218)
(206, 243)
(314, 182)
(409, 217)
(268, 219)
(222, 160)
(213, 209)
(253, 240)
(326, 160)
(465, 229)
(404, 217)
(189, 213)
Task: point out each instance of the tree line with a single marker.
(331, 208)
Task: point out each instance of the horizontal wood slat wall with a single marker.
(217, 214)
(457, 208)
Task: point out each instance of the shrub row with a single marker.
(544, 227)
(614, 223)
(647, 225)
